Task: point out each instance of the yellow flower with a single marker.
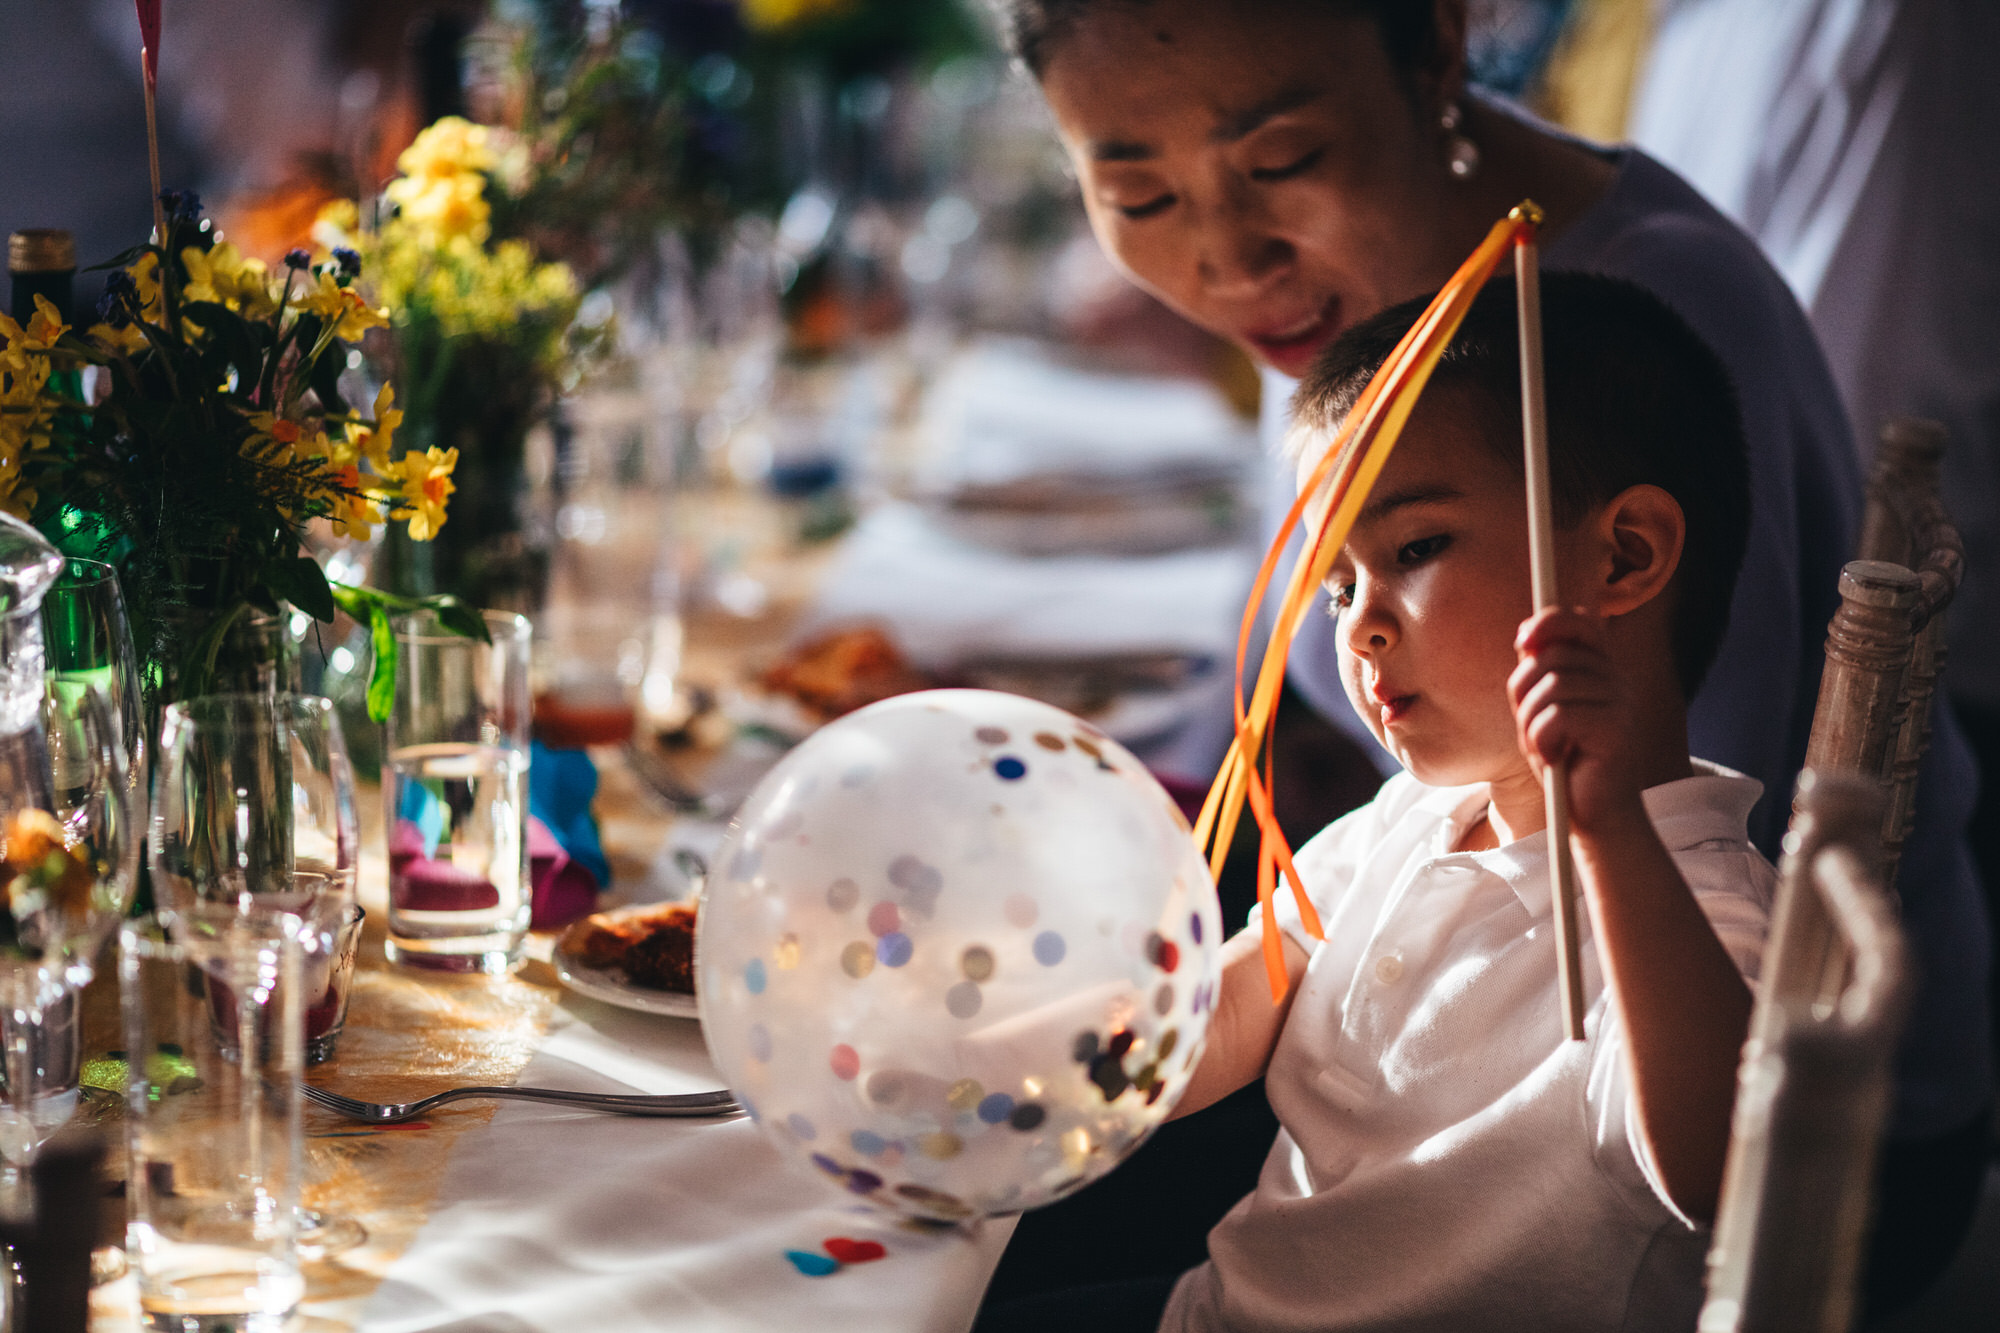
(336, 224)
(427, 485)
(45, 326)
(374, 442)
(443, 207)
(223, 275)
(355, 509)
(777, 15)
(341, 307)
(273, 439)
(448, 147)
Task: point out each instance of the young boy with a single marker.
(1448, 1160)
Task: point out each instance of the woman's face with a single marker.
(1260, 167)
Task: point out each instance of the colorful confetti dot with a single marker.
(885, 1086)
(1163, 999)
(894, 949)
(964, 1095)
(802, 1127)
(828, 1165)
(788, 953)
(962, 1000)
(1168, 1040)
(1121, 1042)
(753, 976)
(842, 894)
(858, 959)
(940, 1146)
(1049, 948)
(1020, 910)
(845, 1062)
(760, 1042)
(867, 1142)
(813, 1265)
(1109, 1076)
(1194, 927)
(863, 1182)
(850, 1251)
(995, 1108)
(1009, 768)
(1048, 740)
(1084, 1049)
(1170, 956)
(1027, 1116)
(884, 919)
(991, 736)
(976, 963)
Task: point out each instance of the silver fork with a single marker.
(695, 1104)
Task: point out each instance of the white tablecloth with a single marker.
(563, 1222)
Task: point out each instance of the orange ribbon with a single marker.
(1353, 461)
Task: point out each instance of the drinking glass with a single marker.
(253, 807)
(70, 843)
(214, 1047)
(89, 642)
(456, 787)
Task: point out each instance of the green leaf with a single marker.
(301, 582)
(461, 619)
(356, 602)
(382, 680)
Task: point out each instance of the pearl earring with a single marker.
(1460, 153)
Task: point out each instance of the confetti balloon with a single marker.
(958, 952)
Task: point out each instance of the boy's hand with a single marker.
(1570, 704)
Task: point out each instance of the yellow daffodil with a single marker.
(450, 146)
(341, 307)
(45, 326)
(374, 442)
(427, 485)
(225, 276)
(272, 438)
(355, 509)
(336, 225)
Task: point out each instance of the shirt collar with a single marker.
(1710, 806)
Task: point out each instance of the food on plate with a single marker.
(843, 670)
(654, 948)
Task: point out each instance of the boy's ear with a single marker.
(1641, 531)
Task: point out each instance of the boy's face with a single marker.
(1431, 588)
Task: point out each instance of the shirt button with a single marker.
(1389, 969)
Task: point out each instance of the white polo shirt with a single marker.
(1448, 1161)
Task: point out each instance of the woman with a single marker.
(1277, 170)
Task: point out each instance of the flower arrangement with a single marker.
(483, 335)
(218, 434)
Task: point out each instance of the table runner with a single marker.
(550, 1219)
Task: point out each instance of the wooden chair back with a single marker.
(1815, 1079)
(1815, 1088)
(1905, 523)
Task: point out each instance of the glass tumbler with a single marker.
(253, 807)
(214, 1045)
(456, 788)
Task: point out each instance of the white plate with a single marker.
(609, 984)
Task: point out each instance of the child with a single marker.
(1448, 1160)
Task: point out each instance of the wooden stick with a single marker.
(153, 147)
(1542, 563)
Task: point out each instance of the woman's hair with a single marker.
(1033, 28)
(1633, 396)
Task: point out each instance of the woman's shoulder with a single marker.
(1653, 228)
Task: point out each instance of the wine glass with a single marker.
(69, 847)
(253, 807)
